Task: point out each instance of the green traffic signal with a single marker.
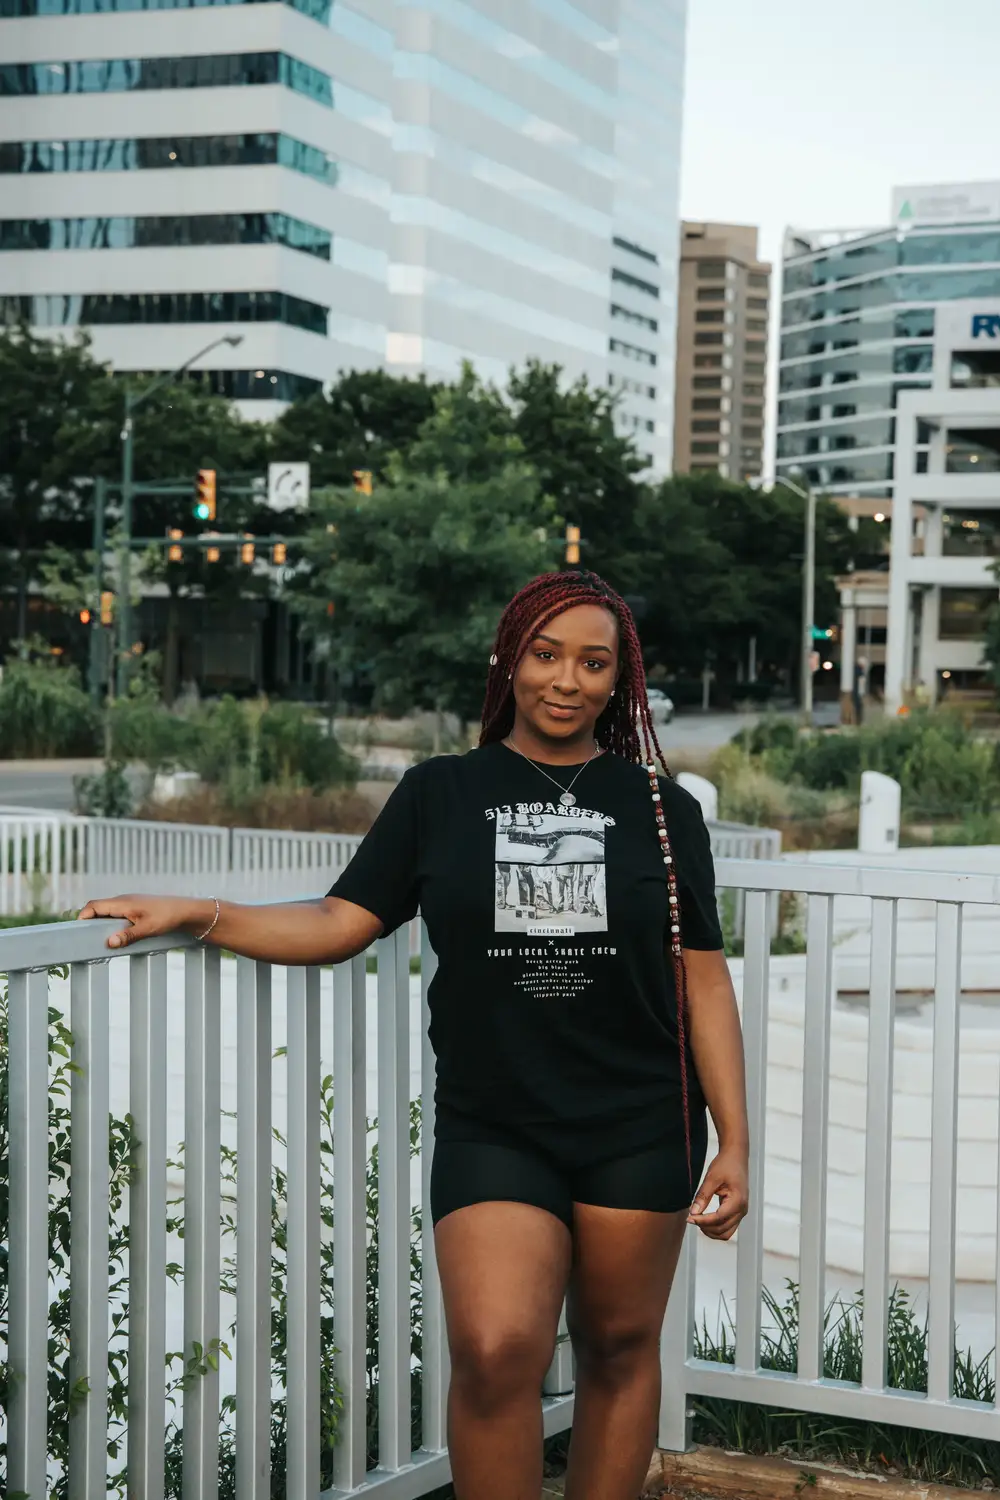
(201, 510)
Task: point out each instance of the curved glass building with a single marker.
(857, 328)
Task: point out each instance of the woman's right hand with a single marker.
(150, 916)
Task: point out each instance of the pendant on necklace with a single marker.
(567, 799)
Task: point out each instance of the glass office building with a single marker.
(397, 183)
(857, 329)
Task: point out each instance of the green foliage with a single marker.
(44, 711)
(418, 575)
(942, 769)
(251, 744)
(104, 795)
(927, 1455)
(361, 422)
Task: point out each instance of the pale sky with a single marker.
(807, 112)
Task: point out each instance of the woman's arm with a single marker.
(717, 1044)
(328, 931)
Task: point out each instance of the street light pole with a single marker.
(132, 400)
(808, 588)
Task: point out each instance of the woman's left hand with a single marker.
(726, 1179)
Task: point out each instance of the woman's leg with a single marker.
(501, 1216)
(623, 1264)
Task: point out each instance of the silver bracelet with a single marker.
(211, 927)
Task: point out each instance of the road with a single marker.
(45, 784)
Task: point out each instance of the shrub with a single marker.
(770, 733)
(747, 794)
(946, 774)
(340, 810)
(44, 712)
(105, 795)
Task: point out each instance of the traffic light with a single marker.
(107, 608)
(85, 617)
(174, 553)
(363, 481)
(572, 545)
(246, 550)
(279, 554)
(211, 553)
(204, 491)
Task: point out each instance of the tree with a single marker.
(589, 468)
(417, 575)
(46, 388)
(365, 417)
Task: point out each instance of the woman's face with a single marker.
(568, 673)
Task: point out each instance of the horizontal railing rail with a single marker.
(223, 1053)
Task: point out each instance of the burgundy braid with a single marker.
(625, 728)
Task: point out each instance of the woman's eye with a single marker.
(597, 665)
(544, 655)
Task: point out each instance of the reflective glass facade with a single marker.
(121, 233)
(124, 74)
(56, 311)
(163, 152)
(503, 185)
(857, 328)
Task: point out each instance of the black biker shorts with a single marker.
(488, 1165)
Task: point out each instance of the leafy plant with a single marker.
(43, 709)
(106, 794)
(920, 1454)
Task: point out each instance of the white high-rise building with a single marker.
(393, 183)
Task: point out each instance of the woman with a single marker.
(582, 1015)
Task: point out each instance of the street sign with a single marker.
(288, 486)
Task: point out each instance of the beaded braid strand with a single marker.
(625, 728)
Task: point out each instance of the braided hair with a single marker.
(625, 727)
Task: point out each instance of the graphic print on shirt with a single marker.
(549, 873)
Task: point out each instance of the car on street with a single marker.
(660, 706)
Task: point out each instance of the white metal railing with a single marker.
(55, 861)
(947, 895)
(224, 1020)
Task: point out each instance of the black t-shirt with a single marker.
(553, 1004)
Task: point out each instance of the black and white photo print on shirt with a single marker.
(549, 874)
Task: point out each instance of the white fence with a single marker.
(235, 1015)
(54, 862)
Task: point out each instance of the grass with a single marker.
(878, 1447)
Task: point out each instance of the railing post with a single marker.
(349, 1163)
(749, 1249)
(303, 1235)
(147, 1406)
(394, 1200)
(89, 1195)
(202, 1248)
(253, 1230)
(28, 1031)
(676, 1340)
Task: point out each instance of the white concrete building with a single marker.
(942, 583)
(397, 183)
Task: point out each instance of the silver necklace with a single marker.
(566, 798)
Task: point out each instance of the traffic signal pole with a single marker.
(808, 605)
(96, 652)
